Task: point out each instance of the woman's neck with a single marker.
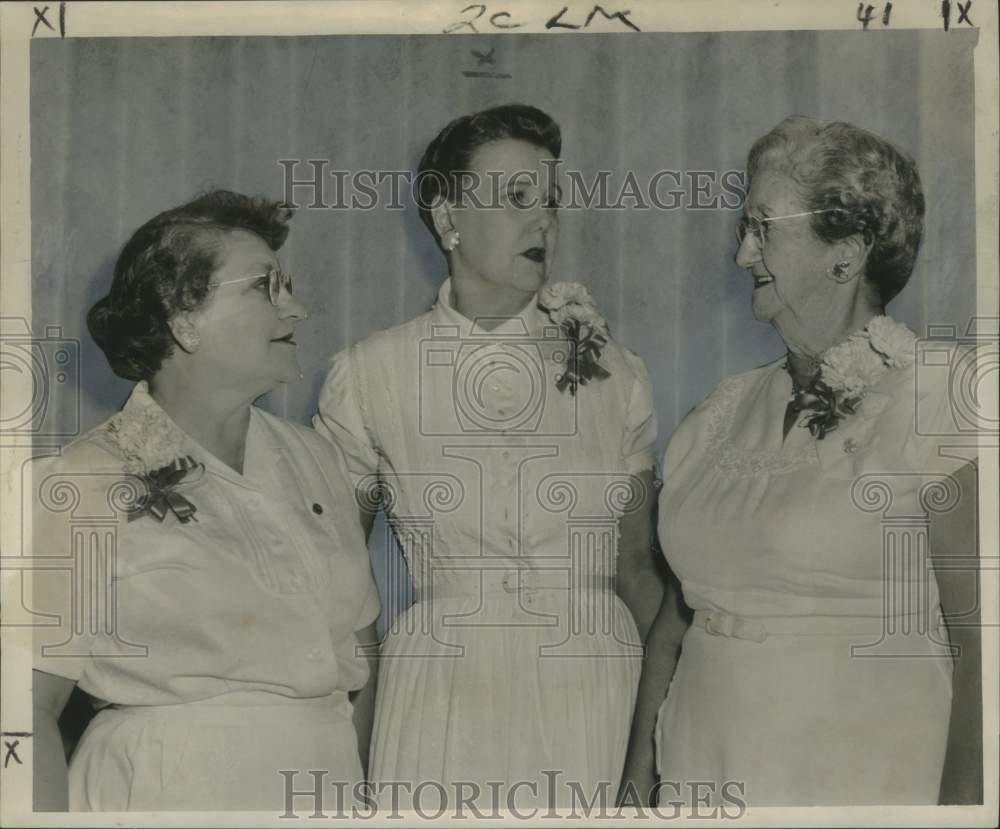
(808, 339)
(486, 304)
(805, 351)
(802, 369)
(218, 422)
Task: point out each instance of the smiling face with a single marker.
(790, 269)
(511, 245)
(245, 341)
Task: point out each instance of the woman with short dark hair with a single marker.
(512, 440)
(818, 669)
(237, 596)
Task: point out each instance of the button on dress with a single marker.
(517, 656)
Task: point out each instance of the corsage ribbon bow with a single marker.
(827, 405)
(161, 497)
(582, 365)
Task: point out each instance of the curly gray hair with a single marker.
(869, 186)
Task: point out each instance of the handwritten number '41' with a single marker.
(865, 15)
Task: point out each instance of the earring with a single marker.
(450, 240)
(840, 272)
(190, 340)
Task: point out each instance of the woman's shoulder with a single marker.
(88, 471)
(726, 396)
(622, 359)
(737, 385)
(707, 422)
(94, 451)
(398, 336)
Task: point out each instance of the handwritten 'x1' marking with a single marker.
(41, 18)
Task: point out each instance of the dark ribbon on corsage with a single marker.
(827, 406)
(582, 365)
(161, 497)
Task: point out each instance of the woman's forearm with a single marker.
(639, 582)
(51, 784)
(954, 533)
(641, 589)
(662, 651)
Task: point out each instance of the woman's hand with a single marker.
(49, 695)
(662, 649)
(364, 699)
(639, 777)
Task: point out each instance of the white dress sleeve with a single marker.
(77, 483)
(340, 417)
(638, 448)
(945, 416)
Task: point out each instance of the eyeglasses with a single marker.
(751, 224)
(277, 281)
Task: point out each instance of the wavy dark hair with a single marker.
(451, 151)
(164, 270)
(872, 186)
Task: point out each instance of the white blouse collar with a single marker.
(140, 397)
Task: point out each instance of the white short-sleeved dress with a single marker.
(817, 670)
(517, 657)
(220, 651)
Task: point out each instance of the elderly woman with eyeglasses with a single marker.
(219, 634)
(818, 669)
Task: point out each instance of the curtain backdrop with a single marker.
(124, 128)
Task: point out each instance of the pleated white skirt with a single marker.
(506, 699)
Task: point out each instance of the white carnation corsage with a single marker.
(571, 307)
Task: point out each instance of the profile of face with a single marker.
(791, 268)
(243, 339)
(511, 241)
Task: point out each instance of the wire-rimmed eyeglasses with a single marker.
(277, 281)
(758, 227)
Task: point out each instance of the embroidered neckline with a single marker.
(732, 459)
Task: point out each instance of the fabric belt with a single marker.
(524, 582)
(238, 700)
(720, 623)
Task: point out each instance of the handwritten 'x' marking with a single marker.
(40, 18)
(484, 57)
(11, 752)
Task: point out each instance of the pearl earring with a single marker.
(450, 240)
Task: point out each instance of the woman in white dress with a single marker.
(795, 511)
(223, 649)
(517, 483)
